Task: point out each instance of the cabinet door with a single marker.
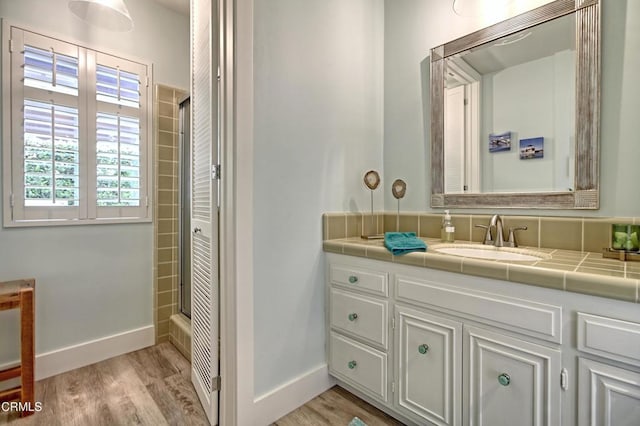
(613, 394)
(509, 381)
(429, 365)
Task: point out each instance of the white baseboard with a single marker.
(286, 398)
(66, 359)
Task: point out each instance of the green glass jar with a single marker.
(625, 237)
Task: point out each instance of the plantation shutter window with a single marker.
(121, 189)
(77, 148)
(51, 157)
(45, 128)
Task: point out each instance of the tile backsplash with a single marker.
(568, 233)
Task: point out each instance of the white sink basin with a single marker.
(489, 252)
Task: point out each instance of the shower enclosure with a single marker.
(184, 174)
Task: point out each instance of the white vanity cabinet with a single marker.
(507, 380)
(502, 379)
(432, 347)
(609, 386)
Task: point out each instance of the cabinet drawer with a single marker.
(610, 338)
(359, 279)
(360, 315)
(359, 365)
(522, 316)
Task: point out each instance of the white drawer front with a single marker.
(373, 282)
(359, 315)
(359, 365)
(610, 338)
(530, 318)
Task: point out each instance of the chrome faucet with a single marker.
(496, 221)
(498, 240)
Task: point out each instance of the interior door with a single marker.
(204, 208)
(454, 143)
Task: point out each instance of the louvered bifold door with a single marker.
(204, 209)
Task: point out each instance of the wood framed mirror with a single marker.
(583, 191)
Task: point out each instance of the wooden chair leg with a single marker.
(27, 343)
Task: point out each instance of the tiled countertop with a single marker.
(575, 271)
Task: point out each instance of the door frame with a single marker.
(232, 201)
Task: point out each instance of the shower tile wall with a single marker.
(166, 208)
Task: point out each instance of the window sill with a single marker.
(72, 222)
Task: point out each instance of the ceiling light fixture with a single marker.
(477, 8)
(109, 14)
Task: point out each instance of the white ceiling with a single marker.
(180, 6)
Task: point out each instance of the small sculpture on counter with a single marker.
(372, 181)
(398, 189)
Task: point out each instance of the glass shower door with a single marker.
(185, 206)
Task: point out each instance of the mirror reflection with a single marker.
(509, 112)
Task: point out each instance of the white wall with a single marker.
(92, 281)
(619, 147)
(412, 27)
(159, 34)
(317, 130)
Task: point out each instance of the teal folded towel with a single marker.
(399, 243)
(357, 422)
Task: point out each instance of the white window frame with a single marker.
(15, 214)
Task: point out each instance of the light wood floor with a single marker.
(153, 387)
(147, 387)
(335, 407)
